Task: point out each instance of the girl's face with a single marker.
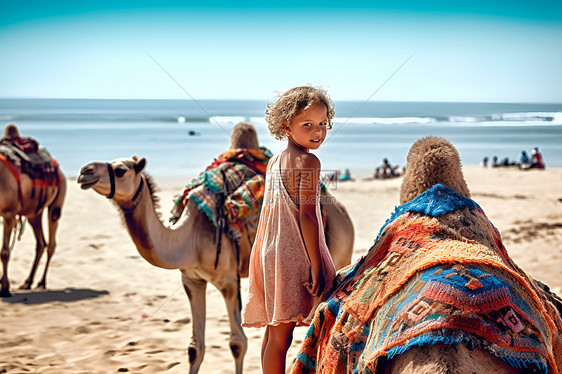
(308, 127)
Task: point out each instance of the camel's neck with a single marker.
(159, 245)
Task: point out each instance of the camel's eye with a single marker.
(119, 172)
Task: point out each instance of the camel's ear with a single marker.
(140, 164)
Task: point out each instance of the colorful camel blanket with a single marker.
(438, 272)
(229, 189)
(23, 156)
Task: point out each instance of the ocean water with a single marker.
(180, 138)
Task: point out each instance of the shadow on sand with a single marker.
(47, 296)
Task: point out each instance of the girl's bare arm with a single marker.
(309, 174)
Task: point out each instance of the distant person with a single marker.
(505, 162)
(485, 162)
(386, 170)
(346, 176)
(537, 161)
(524, 161)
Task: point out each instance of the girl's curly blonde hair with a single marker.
(281, 111)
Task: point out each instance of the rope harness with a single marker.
(111, 181)
(136, 197)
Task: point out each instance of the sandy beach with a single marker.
(107, 310)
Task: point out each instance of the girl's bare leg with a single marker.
(264, 344)
(275, 349)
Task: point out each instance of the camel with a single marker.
(437, 292)
(190, 245)
(21, 197)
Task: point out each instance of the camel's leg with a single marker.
(36, 224)
(238, 340)
(9, 224)
(54, 216)
(195, 290)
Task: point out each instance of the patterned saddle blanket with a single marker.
(23, 155)
(437, 272)
(231, 189)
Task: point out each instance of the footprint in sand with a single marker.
(154, 352)
(20, 340)
(183, 321)
(132, 348)
(82, 330)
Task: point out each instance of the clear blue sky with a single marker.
(500, 51)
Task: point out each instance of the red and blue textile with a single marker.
(232, 187)
(438, 272)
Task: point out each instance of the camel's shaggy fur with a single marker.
(244, 135)
(432, 160)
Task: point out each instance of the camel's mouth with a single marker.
(85, 184)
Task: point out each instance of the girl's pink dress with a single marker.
(279, 263)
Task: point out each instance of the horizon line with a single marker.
(230, 99)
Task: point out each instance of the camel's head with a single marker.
(430, 161)
(119, 179)
(244, 135)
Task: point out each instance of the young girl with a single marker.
(290, 266)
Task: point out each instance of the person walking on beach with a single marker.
(290, 265)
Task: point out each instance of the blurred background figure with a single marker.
(536, 159)
(524, 161)
(346, 176)
(386, 170)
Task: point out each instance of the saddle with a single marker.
(229, 192)
(23, 156)
(28, 158)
